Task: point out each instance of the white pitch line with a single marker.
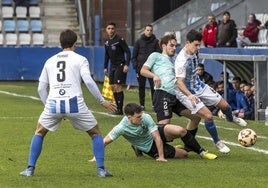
(237, 145)
(19, 95)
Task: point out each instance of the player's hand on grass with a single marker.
(161, 159)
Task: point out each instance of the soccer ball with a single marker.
(247, 137)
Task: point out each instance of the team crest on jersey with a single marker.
(113, 47)
(62, 92)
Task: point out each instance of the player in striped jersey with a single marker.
(195, 94)
(63, 73)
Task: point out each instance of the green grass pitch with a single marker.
(65, 154)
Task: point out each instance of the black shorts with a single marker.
(165, 103)
(169, 151)
(117, 76)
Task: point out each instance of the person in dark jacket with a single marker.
(227, 32)
(143, 47)
(250, 33)
(118, 52)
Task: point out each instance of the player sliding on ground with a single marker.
(141, 131)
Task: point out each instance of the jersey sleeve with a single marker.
(180, 66)
(126, 49)
(116, 132)
(151, 60)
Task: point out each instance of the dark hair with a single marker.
(132, 108)
(111, 23)
(193, 35)
(226, 12)
(149, 25)
(201, 65)
(166, 38)
(67, 38)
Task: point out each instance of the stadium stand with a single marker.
(38, 39)
(36, 26)
(21, 12)
(11, 39)
(24, 39)
(35, 12)
(1, 39)
(23, 26)
(7, 12)
(9, 26)
(34, 2)
(6, 2)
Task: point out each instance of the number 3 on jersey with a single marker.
(61, 65)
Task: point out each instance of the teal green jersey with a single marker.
(162, 66)
(137, 135)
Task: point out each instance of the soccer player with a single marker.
(116, 49)
(63, 74)
(138, 128)
(195, 94)
(159, 67)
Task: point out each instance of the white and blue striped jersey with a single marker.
(186, 67)
(64, 72)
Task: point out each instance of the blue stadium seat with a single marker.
(7, 2)
(9, 26)
(23, 26)
(36, 26)
(34, 2)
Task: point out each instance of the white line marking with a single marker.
(19, 95)
(237, 145)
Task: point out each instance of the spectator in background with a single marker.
(227, 32)
(209, 32)
(249, 97)
(143, 47)
(239, 96)
(118, 52)
(203, 75)
(250, 33)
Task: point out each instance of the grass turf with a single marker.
(65, 155)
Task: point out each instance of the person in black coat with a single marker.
(143, 47)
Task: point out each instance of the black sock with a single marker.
(116, 98)
(193, 132)
(191, 143)
(120, 100)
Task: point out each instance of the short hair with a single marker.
(201, 65)
(111, 23)
(149, 25)
(226, 12)
(67, 38)
(193, 35)
(166, 38)
(132, 108)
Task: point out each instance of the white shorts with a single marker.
(208, 97)
(84, 120)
